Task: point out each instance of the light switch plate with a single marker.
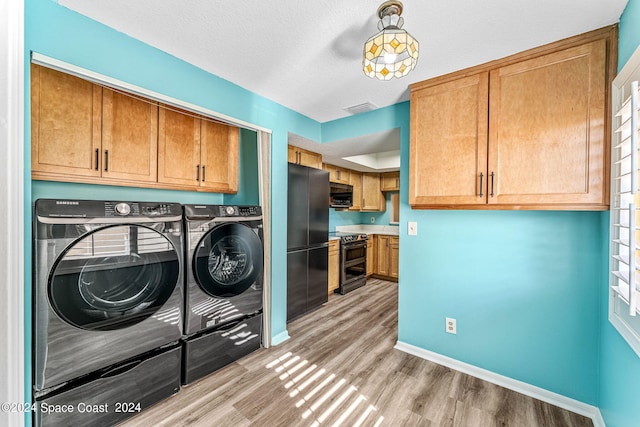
(412, 228)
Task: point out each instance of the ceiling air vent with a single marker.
(360, 108)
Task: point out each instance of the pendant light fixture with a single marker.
(392, 52)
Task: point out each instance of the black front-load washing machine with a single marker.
(224, 286)
(108, 296)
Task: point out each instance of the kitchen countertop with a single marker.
(389, 230)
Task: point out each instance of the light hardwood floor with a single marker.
(340, 369)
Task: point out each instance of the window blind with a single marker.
(625, 201)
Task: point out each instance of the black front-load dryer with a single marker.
(224, 287)
(225, 259)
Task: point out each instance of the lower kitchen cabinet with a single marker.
(334, 266)
(371, 254)
(387, 251)
(307, 276)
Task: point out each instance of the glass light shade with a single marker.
(391, 53)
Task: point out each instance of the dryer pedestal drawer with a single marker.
(208, 352)
(115, 394)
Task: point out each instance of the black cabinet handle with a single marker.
(198, 173)
(492, 178)
(203, 173)
(481, 176)
(97, 157)
(106, 160)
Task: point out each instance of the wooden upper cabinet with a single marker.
(526, 132)
(390, 181)
(65, 124)
(372, 197)
(448, 149)
(337, 174)
(178, 148)
(355, 180)
(547, 136)
(304, 157)
(196, 152)
(219, 150)
(129, 137)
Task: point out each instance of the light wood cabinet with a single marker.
(355, 180)
(386, 256)
(304, 157)
(526, 132)
(371, 254)
(129, 137)
(82, 132)
(390, 181)
(65, 125)
(372, 198)
(337, 174)
(334, 266)
(197, 153)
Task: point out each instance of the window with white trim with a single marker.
(624, 282)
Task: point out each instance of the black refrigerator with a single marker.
(307, 239)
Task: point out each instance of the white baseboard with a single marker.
(506, 382)
(280, 338)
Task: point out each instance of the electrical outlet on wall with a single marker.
(450, 325)
(373, 219)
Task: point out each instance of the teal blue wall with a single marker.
(248, 181)
(340, 217)
(619, 365)
(55, 31)
(525, 287)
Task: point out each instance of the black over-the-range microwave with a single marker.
(340, 195)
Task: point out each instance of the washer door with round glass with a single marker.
(114, 277)
(228, 260)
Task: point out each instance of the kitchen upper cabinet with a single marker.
(372, 198)
(304, 157)
(65, 125)
(178, 148)
(526, 132)
(390, 181)
(546, 129)
(448, 144)
(355, 180)
(129, 137)
(195, 152)
(219, 155)
(337, 174)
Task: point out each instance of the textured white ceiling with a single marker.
(307, 55)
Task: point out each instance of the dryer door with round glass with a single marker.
(228, 260)
(114, 277)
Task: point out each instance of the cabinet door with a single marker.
(547, 129)
(129, 137)
(219, 154)
(334, 266)
(394, 250)
(372, 197)
(312, 160)
(390, 181)
(355, 180)
(448, 147)
(371, 255)
(178, 148)
(292, 154)
(65, 124)
(382, 258)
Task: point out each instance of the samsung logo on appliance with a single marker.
(66, 202)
